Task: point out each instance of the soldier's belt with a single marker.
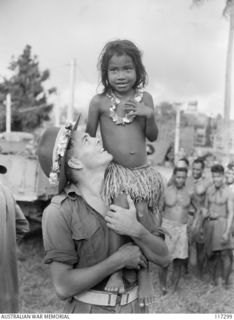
(104, 298)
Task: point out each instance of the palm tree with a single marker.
(227, 11)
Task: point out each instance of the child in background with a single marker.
(126, 118)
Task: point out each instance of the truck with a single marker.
(24, 177)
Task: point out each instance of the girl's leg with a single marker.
(146, 290)
(115, 282)
(163, 279)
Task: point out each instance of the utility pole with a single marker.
(228, 80)
(72, 92)
(8, 113)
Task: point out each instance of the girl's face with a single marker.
(121, 73)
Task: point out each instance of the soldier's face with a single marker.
(89, 150)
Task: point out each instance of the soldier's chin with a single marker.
(110, 155)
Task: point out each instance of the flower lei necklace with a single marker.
(115, 101)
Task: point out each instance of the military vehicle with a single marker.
(24, 176)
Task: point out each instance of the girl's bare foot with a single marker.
(146, 290)
(115, 283)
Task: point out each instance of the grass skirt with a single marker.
(141, 183)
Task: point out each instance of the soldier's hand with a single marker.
(132, 256)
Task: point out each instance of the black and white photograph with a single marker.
(116, 158)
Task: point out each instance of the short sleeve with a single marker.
(57, 237)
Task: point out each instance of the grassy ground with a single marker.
(194, 296)
(36, 291)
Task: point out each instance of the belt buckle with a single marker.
(118, 298)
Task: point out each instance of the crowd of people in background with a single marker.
(198, 214)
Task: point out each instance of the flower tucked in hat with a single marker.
(59, 151)
(51, 152)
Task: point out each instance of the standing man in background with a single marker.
(175, 220)
(219, 202)
(198, 184)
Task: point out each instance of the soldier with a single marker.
(77, 222)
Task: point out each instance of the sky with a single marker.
(184, 47)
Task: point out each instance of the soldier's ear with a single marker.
(75, 164)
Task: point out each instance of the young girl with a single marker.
(126, 118)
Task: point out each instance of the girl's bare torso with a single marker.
(127, 142)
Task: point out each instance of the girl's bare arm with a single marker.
(93, 116)
(151, 129)
(145, 109)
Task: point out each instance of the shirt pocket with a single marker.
(89, 242)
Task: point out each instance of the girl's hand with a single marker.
(135, 108)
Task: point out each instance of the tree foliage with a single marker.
(29, 98)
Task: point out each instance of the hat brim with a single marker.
(3, 169)
(62, 176)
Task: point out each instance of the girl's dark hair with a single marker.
(121, 47)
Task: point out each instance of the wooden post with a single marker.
(72, 97)
(8, 113)
(177, 131)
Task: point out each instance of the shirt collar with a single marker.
(72, 191)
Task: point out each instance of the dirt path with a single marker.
(37, 293)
